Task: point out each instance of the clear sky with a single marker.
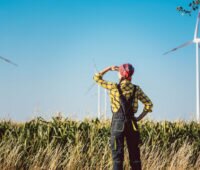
(56, 43)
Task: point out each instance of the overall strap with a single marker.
(124, 102)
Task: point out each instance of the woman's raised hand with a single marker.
(114, 68)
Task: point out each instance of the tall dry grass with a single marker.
(67, 144)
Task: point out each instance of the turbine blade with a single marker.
(8, 61)
(95, 66)
(90, 88)
(197, 26)
(180, 46)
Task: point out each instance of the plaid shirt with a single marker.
(127, 90)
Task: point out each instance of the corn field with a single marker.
(68, 144)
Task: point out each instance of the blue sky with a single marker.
(55, 42)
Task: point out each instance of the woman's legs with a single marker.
(117, 143)
(117, 146)
(133, 140)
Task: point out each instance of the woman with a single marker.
(124, 98)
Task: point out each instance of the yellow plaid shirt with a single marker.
(127, 90)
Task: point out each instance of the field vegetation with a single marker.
(68, 144)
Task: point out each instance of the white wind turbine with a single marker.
(100, 114)
(196, 41)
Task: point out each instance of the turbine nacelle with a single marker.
(196, 40)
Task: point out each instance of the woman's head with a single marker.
(126, 71)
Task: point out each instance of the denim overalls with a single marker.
(124, 125)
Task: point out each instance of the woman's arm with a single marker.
(98, 77)
(148, 105)
(111, 68)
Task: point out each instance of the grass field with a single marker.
(68, 144)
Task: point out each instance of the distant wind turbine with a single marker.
(99, 98)
(8, 61)
(196, 41)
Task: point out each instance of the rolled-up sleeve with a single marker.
(148, 105)
(103, 83)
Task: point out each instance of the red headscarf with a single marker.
(126, 71)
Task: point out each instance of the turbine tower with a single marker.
(100, 113)
(196, 41)
(99, 101)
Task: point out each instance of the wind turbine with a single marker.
(99, 111)
(196, 41)
(8, 61)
